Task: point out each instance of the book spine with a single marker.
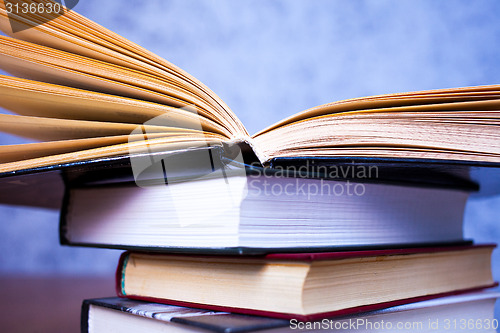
(84, 317)
(120, 274)
(64, 216)
(244, 147)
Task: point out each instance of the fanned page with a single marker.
(81, 92)
(448, 124)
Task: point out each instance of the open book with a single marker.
(82, 92)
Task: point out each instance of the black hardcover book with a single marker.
(297, 188)
(238, 207)
(448, 313)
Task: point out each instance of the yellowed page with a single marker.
(32, 62)
(391, 152)
(13, 153)
(160, 144)
(47, 129)
(459, 135)
(37, 62)
(390, 103)
(76, 34)
(18, 152)
(32, 98)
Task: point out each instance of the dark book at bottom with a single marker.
(471, 312)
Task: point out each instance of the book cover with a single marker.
(311, 258)
(252, 211)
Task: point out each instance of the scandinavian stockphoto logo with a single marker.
(26, 14)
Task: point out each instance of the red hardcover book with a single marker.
(305, 286)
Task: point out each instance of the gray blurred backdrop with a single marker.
(270, 59)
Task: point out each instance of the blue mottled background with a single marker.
(271, 59)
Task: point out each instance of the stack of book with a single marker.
(346, 212)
